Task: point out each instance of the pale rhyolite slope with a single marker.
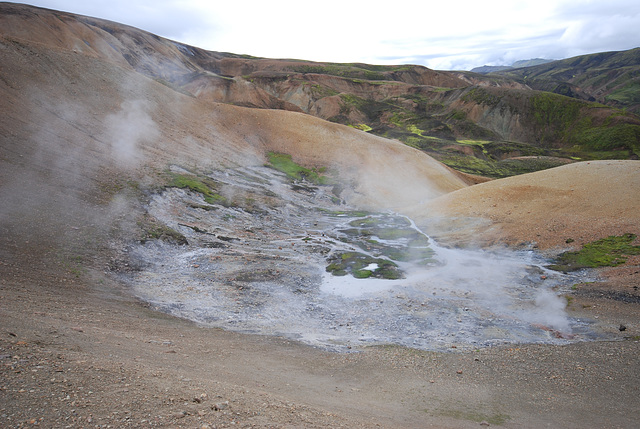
(581, 202)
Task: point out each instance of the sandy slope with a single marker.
(77, 350)
(584, 201)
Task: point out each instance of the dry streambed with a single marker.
(269, 255)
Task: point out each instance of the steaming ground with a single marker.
(257, 263)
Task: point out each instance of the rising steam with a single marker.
(127, 130)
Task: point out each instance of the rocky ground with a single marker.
(79, 350)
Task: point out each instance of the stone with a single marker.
(221, 406)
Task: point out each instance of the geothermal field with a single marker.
(201, 239)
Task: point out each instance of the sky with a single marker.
(443, 35)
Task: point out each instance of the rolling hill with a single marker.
(611, 78)
(492, 126)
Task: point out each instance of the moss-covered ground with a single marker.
(200, 184)
(384, 240)
(607, 252)
(559, 127)
(362, 266)
(285, 164)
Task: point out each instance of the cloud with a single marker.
(602, 27)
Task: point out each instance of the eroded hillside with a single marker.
(490, 126)
(611, 78)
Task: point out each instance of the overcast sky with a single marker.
(447, 35)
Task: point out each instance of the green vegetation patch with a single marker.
(627, 94)
(570, 121)
(607, 252)
(611, 137)
(319, 91)
(362, 127)
(373, 109)
(283, 163)
(363, 266)
(351, 70)
(204, 186)
(423, 256)
(553, 109)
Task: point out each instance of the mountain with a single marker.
(123, 93)
(610, 78)
(530, 63)
(517, 64)
(489, 69)
(491, 126)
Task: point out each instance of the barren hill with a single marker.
(133, 190)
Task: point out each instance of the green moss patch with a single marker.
(203, 186)
(484, 96)
(356, 264)
(283, 163)
(608, 252)
(362, 127)
(389, 236)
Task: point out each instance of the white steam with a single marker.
(500, 285)
(550, 311)
(127, 130)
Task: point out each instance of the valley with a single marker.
(191, 238)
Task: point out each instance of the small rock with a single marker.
(180, 414)
(221, 406)
(459, 371)
(484, 423)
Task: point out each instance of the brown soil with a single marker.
(579, 202)
(77, 350)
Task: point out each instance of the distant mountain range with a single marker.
(517, 64)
